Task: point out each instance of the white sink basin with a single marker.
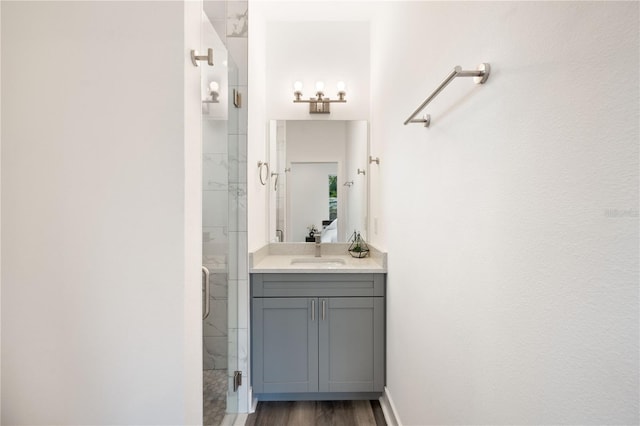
(318, 262)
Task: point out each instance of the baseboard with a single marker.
(389, 409)
(254, 401)
(318, 396)
(228, 420)
(241, 419)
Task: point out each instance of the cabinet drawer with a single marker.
(317, 285)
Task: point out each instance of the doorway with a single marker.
(313, 196)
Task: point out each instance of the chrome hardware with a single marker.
(480, 76)
(313, 310)
(195, 57)
(324, 305)
(237, 380)
(263, 166)
(319, 104)
(207, 302)
(426, 120)
(318, 237)
(237, 98)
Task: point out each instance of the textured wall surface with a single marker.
(512, 223)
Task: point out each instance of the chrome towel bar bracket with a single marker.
(263, 167)
(480, 76)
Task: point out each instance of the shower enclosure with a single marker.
(223, 222)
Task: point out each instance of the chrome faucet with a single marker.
(318, 245)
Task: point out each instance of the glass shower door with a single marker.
(219, 255)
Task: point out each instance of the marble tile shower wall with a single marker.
(225, 205)
(215, 239)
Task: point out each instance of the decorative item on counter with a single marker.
(312, 230)
(358, 247)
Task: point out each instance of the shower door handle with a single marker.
(205, 284)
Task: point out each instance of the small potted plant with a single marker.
(358, 247)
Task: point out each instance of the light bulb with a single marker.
(341, 86)
(297, 86)
(214, 86)
(319, 86)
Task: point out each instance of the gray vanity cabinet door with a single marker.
(285, 345)
(351, 344)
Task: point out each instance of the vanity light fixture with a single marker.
(319, 104)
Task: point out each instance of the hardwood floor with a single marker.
(317, 413)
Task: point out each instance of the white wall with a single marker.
(257, 194)
(192, 218)
(0, 217)
(100, 214)
(512, 223)
(316, 140)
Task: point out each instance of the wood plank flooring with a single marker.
(317, 413)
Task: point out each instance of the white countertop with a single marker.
(282, 258)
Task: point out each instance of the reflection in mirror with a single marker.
(310, 200)
(319, 179)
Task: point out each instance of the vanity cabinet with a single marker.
(317, 336)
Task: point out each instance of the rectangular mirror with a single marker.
(319, 178)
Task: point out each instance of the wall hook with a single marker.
(195, 57)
